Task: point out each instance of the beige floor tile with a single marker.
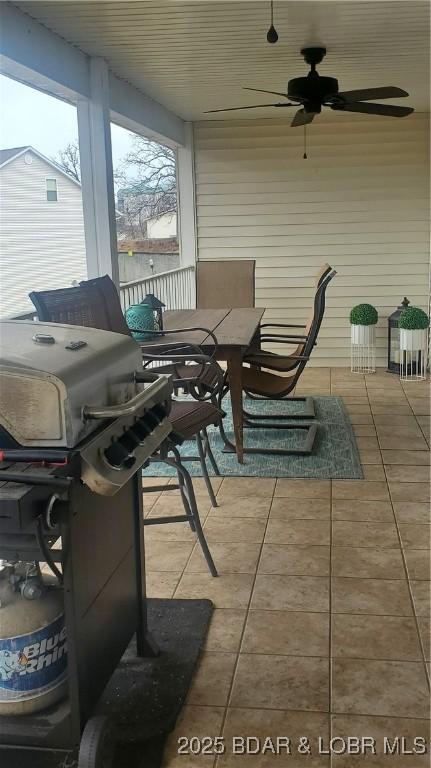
(420, 405)
(241, 507)
(382, 730)
(412, 512)
(300, 509)
(229, 591)
(406, 458)
(371, 596)
(368, 443)
(425, 633)
(375, 637)
(369, 687)
(238, 530)
(225, 630)
(294, 560)
(273, 724)
(364, 430)
(281, 682)
(246, 487)
(392, 420)
(367, 562)
(358, 408)
(416, 442)
(167, 555)
(370, 457)
(355, 400)
(366, 490)
(374, 471)
(383, 408)
(212, 679)
(228, 557)
(303, 488)
(421, 591)
(414, 536)
(192, 722)
(291, 593)
(170, 532)
(409, 491)
(418, 564)
(286, 633)
(303, 532)
(361, 419)
(364, 534)
(408, 474)
(162, 584)
(372, 511)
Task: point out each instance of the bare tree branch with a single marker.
(68, 160)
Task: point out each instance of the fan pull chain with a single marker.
(271, 35)
(304, 156)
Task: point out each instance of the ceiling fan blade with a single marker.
(251, 106)
(302, 118)
(260, 90)
(390, 110)
(372, 93)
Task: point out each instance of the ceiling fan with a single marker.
(315, 92)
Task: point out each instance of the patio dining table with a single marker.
(236, 330)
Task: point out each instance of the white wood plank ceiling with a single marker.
(193, 56)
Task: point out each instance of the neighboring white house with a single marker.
(41, 228)
(162, 226)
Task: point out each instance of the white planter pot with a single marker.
(363, 334)
(411, 341)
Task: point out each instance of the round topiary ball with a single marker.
(413, 319)
(364, 314)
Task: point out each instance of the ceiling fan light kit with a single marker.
(313, 92)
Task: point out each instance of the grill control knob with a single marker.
(118, 456)
(129, 441)
(141, 430)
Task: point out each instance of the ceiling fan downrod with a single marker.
(272, 35)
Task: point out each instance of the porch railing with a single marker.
(176, 289)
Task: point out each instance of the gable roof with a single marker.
(8, 155)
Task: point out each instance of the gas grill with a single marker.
(67, 390)
(78, 420)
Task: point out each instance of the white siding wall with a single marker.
(42, 243)
(360, 202)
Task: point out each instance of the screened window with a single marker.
(51, 190)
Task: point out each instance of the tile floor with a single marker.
(321, 621)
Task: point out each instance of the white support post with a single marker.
(187, 231)
(96, 175)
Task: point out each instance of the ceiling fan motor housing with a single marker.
(312, 91)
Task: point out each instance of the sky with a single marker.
(44, 122)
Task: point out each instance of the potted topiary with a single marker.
(363, 319)
(413, 323)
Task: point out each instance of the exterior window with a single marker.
(51, 190)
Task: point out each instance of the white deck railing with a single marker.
(176, 289)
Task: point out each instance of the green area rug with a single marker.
(335, 454)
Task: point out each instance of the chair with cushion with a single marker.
(266, 385)
(229, 283)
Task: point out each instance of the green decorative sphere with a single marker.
(364, 314)
(413, 319)
(140, 319)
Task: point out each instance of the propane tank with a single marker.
(33, 648)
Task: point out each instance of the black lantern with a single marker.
(394, 338)
(157, 307)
